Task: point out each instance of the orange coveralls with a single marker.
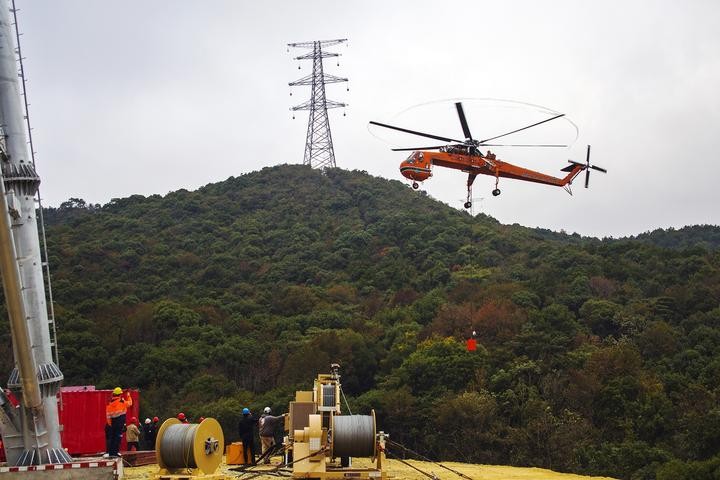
(115, 413)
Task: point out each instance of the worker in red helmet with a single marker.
(115, 413)
(183, 419)
(132, 434)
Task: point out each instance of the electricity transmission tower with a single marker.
(319, 151)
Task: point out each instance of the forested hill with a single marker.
(706, 236)
(595, 356)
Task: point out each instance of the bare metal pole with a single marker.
(46, 261)
(39, 424)
(12, 286)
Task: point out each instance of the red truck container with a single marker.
(82, 416)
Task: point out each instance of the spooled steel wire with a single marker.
(354, 436)
(176, 447)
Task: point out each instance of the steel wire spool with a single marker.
(328, 395)
(190, 445)
(354, 435)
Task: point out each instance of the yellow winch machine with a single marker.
(322, 442)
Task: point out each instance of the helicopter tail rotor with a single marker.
(585, 166)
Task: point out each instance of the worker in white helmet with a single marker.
(149, 432)
(268, 426)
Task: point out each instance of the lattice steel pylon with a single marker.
(319, 152)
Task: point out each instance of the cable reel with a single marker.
(190, 446)
(354, 436)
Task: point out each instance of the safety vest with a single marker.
(118, 406)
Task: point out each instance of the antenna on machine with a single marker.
(319, 152)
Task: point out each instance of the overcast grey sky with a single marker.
(144, 97)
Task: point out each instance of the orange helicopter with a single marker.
(467, 157)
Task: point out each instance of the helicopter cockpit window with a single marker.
(411, 158)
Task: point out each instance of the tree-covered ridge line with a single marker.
(596, 356)
(705, 236)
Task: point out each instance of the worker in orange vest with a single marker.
(115, 413)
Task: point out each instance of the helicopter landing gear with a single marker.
(496, 192)
(415, 185)
(470, 180)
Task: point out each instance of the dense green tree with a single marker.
(594, 356)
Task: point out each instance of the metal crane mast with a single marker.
(319, 152)
(31, 433)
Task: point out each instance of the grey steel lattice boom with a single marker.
(319, 152)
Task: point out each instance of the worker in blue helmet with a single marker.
(246, 429)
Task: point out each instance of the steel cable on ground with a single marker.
(244, 469)
(272, 450)
(422, 457)
(255, 474)
(429, 475)
(278, 447)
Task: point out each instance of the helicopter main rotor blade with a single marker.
(481, 145)
(524, 128)
(417, 148)
(413, 132)
(463, 121)
(517, 145)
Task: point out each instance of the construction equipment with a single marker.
(31, 433)
(322, 442)
(189, 450)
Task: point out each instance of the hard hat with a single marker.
(147, 420)
(267, 410)
(181, 416)
(133, 419)
(156, 419)
(246, 411)
(117, 391)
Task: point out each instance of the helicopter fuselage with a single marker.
(465, 155)
(418, 166)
